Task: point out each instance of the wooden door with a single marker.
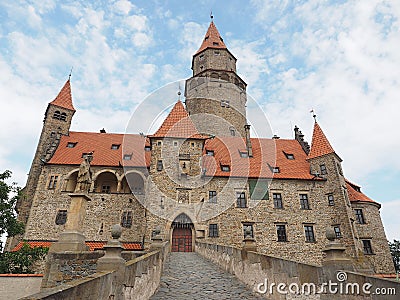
(182, 240)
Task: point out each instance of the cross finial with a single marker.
(314, 115)
(70, 73)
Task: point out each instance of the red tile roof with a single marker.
(355, 193)
(320, 144)
(178, 124)
(64, 97)
(212, 39)
(100, 144)
(93, 245)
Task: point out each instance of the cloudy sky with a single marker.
(340, 58)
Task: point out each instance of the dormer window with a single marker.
(289, 156)
(115, 146)
(127, 156)
(225, 168)
(216, 44)
(206, 38)
(147, 148)
(275, 170)
(210, 152)
(71, 144)
(243, 154)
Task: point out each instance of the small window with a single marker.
(367, 247)
(159, 165)
(127, 156)
(159, 143)
(126, 219)
(61, 217)
(331, 200)
(147, 148)
(232, 131)
(359, 216)
(304, 204)
(241, 199)
(71, 144)
(52, 182)
(289, 156)
(275, 170)
(201, 57)
(175, 143)
(57, 115)
(192, 144)
(212, 196)
(243, 154)
(210, 152)
(106, 189)
(115, 146)
(277, 200)
(225, 168)
(337, 231)
(213, 230)
(323, 169)
(309, 233)
(225, 103)
(248, 231)
(63, 117)
(281, 233)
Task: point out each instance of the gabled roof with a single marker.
(93, 245)
(178, 124)
(212, 39)
(64, 97)
(320, 145)
(100, 144)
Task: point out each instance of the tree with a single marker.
(395, 251)
(9, 194)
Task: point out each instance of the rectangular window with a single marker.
(210, 152)
(275, 169)
(309, 233)
(126, 219)
(323, 169)
(367, 247)
(225, 103)
(359, 216)
(225, 168)
(248, 232)
(304, 204)
(127, 156)
(331, 200)
(71, 145)
(159, 165)
(115, 146)
(337, 231)
(52, 182)
(61, 217)
(106, 189)
(258, 189)
(277, 200)
(289, 155)
(241, 199)
(147, 148)
(243, 154)
(281, 232)
(212, 196)
(213, 230)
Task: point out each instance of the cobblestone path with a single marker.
(190, 276)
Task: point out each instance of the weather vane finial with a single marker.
(314, 115)
(211, 16)
(179, 92)
(70, 73)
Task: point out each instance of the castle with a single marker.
(200, 176)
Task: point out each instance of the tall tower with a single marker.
(215, 94)
(57, 122)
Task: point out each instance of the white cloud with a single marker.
(123, 6)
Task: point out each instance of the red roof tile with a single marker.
(355, 193)
(212, 39)
(320, 144)
(178, 124)
(100, 144)
(64, 97)
(93, 245)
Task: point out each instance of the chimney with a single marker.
(299, 136)
(248, 140)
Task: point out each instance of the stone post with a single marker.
(72, 239)
(156, 239)
(335, 253)
(112, 260)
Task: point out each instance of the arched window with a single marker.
(63, 117)
(57, 115)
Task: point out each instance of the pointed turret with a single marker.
(64, 97)
(212, 39)
(178, 124)
(320, 145)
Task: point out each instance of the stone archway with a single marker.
(182, 234)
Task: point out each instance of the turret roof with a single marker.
(212, 39)
(64, 97)
(320, 145)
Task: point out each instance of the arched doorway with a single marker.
(182, 234)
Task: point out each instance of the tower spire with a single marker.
(212, 39)
(64, 97)
(320, 144)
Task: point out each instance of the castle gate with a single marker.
(182, 236)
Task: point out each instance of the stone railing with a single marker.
(263, 274)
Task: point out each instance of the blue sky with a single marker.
(340, 58)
